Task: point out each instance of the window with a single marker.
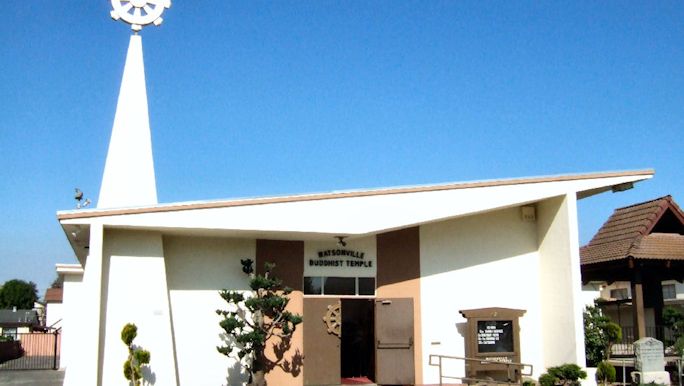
(10, 333)
(619, 294)
(332, 285)
(669, 291)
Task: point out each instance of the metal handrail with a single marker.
(521, 366)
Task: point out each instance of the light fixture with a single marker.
(622, 187)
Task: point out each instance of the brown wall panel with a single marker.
(288, 257)
(321, 348)
(398, 254)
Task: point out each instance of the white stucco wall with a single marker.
(71, 318)
(198, 267)
(486, 260)
(84, 339)
(591, 292)
(54, 313)
(560, 282)
(136, 292)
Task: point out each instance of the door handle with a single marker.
(394, 345)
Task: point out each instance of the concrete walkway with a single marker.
(32, 377)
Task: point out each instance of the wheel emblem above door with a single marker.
(333, 319)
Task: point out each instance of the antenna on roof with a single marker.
(80, 203)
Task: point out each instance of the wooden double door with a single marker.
(358, 338)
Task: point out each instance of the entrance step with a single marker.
(357, 381)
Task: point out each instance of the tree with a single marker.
(58, 282)
(137, 356)
(18, 293)
(600, 333)
(251, 321)
(673, 318)
(605, 373)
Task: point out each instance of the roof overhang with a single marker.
(349, 213)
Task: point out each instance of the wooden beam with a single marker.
(638, 309)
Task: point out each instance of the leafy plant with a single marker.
(568, 374)
(673, 318)
(137, 357)
(18, 293)
(600, 333)
(605, 373)
(528, 382)
(266, 317)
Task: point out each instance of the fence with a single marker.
(31, 351)
(626, 346)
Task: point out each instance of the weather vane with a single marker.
(139, 13)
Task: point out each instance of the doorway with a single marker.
(357, 349)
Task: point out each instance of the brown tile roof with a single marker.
(53, 295)
(628, 233)
(660, 246)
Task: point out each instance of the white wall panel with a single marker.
(486, 260)
(197, 269)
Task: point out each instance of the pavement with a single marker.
(32, 377)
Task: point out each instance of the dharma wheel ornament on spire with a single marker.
(139, 13)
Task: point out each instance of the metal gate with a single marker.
(30, 351)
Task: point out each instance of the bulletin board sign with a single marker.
(493, 335)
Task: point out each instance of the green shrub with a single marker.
(528, 382)
(605, 373)
(679, 346)
(567, 374)
(600, 333)
(547, 380)
(137, 357)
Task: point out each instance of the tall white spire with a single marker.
(128, 178)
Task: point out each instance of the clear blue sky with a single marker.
(253, 98)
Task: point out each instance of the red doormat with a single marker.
(356, 381)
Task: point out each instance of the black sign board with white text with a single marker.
(495, 336)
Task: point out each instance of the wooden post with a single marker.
(638, 309)
(55, 336)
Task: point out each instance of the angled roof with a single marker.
(348, 213)
(11, 318)
(649, 230)
(53, 295)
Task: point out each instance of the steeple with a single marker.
(128, 178)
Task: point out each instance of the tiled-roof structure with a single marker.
(649, 230)
(53, 295)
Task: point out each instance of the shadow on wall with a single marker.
(462, 329)
(237, 375)
(206, 263)
(475, 240)
(293, 365)
(148, 375)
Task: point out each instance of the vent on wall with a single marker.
(528, 213)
